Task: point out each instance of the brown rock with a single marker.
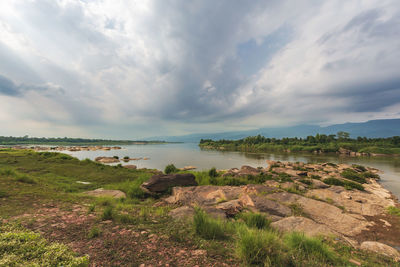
(160, 183)
(132, 167)
(106, 160)
(182, 212)
(381, 248)
(302, 224)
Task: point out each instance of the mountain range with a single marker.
(373, 128)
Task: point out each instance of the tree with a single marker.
(343, 135)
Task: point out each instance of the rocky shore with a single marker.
(344, 201)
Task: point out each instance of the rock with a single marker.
(302, 224)
(132, 167)
(381, 248)
(263, 204)
(106, 193)
(230, 208)
(182, 212)
(324, 213)
(188, 168)
(161, 183)
(106, 159)
(247, 170)
(319, 184)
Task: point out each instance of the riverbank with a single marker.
(147, 229)
(319, 144)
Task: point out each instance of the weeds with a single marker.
(393, 211)
(108, 213)
(254, 220)
(94, 232)
(207, 227)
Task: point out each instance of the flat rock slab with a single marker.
(381, 248)
(302, 224)
(324, 213)
(106, 193)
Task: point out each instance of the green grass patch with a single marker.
(254, 220)
(207, 227)
(20, 247)
(309, 249)
(259, 247)
(108, 213)
(94, 232)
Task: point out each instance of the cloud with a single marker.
(128, 69)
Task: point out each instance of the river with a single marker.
(185, 154)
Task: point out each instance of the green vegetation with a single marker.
(9, 140)
(354, 176)
(254, 220)
(246, 238)
(19, 247)
(207, 227)
(394, 211)
(319, 142)
(346, 184)
(170, 169)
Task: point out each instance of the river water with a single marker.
(185, 154)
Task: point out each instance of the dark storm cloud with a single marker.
(136, 64)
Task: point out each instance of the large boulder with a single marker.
(160, 183)
(381, 249)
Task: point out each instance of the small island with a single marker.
(341, 143)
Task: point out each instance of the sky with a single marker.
(130, 69)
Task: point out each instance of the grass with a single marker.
(108, 213)
(309, 249)
(94, 232)
(254, 220)
(349, 185)
(20, 247)
(354, 176)
(207, 227)
(258, 247)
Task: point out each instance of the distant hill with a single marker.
(373, 128)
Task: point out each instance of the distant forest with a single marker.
(318, 143)
(26, 140)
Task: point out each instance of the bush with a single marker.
(354, 176)
(393, 211)
(371, 175)
(23, 178)
(259, 247)
(94, 232)
(212, 172)
(206, 227)
(3, 194)
(333, 181)
(20, 247)
(310, 249)
(306, 181)
(170, 169)
(115, 157)
(108, 213)
(254, 220)
(352, 185)
(359, 167)
(126, 157)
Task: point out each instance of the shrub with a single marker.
(108, 213)
(94, 232)
(3, 194)
(352, 185)
(333, 181)
(212, 172)
(8, 172)
(126, 157)
(206, 227)
(354, 176)
(393, 211)
(359, 167)
(115, 157)
(371, 175)
(311, 249)
(306, 181)
(255, 220)
(317, 177)
(23, 178)
(170, 169)
(259, 247)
